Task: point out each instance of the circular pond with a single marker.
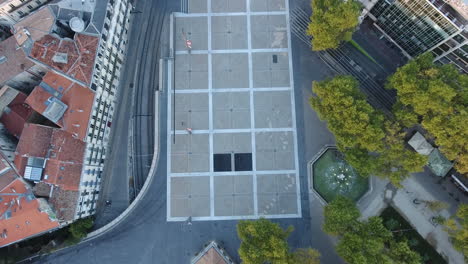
(332, 176)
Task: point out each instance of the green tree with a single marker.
(401, 253)
(457, 227)
(332, 22)
(341, 215)
(263, 241)
(371, 144)
(79, 229)
(366, 244)
(436, 205)
(352, 120)
(306, 256)
(396, 162)
(437, 98)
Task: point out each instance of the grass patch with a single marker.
(362, 50)
(394, 221)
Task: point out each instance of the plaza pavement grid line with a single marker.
(221, 51)
(231, 173)
(263, 13)
(293, 111)
(232, 90)
(235, 130)
(253, 130)
(210, 110)
(252, 109)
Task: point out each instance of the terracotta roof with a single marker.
(13, 61)
(63, 154)
(16, 114)
(212, 254)
(75, 57)
(21, 214)
(36, 25)
(79, 101)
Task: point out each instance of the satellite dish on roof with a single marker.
(77, 24)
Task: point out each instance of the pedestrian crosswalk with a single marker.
(299, 22)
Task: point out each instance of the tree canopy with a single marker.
(364, 242)
(79, 228)
(263, 241)
(435, 97)
(458, 230)
(340, 216)
(352, 120)
(332, 22)
(372, 144)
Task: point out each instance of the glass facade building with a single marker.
(417, 26)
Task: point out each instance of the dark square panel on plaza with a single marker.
(222, 162)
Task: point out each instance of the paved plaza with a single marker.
(232, 149)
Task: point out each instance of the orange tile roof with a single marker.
(21, 214)
(79, 100)
(15, 61)
(26, 217)
(211, 257)
(211, 254)
(64, 154)
(78, 55)
(36, 25)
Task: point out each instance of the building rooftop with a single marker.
(16, 114)
(34, 26)
(75, 105)
(13, 61)
(21, 214)
(64, 203)
(62, 152)
(75, 57)
(212, 254)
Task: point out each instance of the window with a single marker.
(30, 7)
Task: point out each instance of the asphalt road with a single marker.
(145, 236)
(132, 139)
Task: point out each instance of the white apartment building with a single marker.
(110, 56)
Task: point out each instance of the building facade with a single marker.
(11, 11)
(419, 26)
(105, 81)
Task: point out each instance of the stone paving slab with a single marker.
(194, 29)
(231, 110)
(267, 73)
(229, 32)
(267, 5)
(273, 109)
(198, 6)
(228, 6)
(275, 150)
(230, 70)
(269, 31)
